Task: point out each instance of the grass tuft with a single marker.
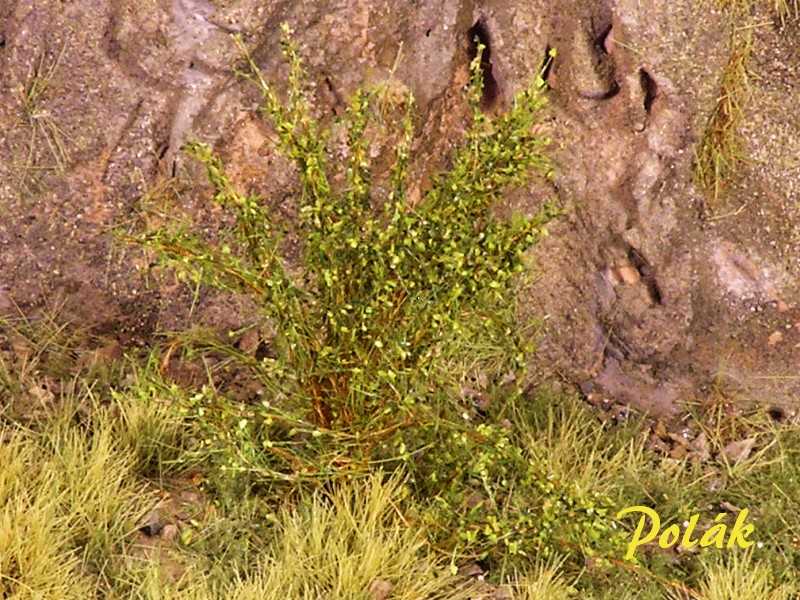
(542, 581)
(742, 579)
(46, 145)
(68, 502)
(343, 543)
(786, 10)
(720, 150)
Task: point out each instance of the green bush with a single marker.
(388, 283)
(399, 306)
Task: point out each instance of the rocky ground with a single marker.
(649, 291)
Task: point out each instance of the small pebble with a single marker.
(629, 275)
(775, 338)
(169, 533)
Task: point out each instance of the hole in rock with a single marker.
(613, 90)
(601, 40)
(647, 274)
(479, 35)
(547, 64)
(776, 413)
(649, 87)
(336, 97)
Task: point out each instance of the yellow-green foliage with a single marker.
(71, 495)
(741, 578)
(67, 502)
(542, 581)
(371, 349)
(147, 423)
(396, 296)
(388, 283)
(341, 544)
(353, 542)
(492, 498)
(562, 436)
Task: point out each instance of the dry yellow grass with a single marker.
(720, 151)
(720, 148)
(740, 578)
(67, 503)
(786, 10)
(341, 545)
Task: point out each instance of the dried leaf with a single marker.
(736, 452)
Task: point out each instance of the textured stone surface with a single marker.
(646, 298)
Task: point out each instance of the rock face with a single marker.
(647, 296)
